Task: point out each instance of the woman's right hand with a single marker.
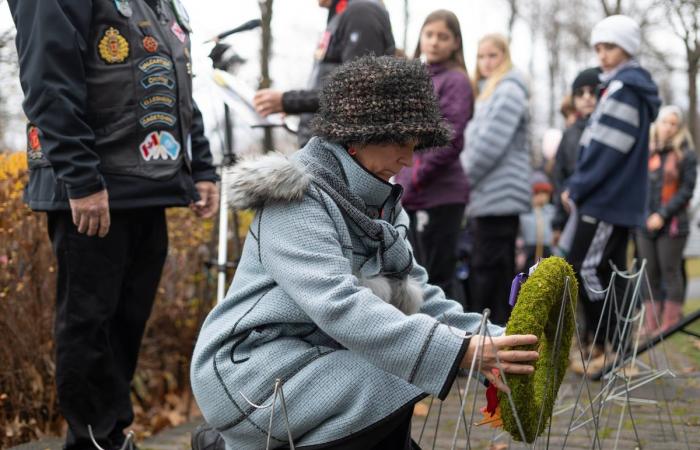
(511, 361)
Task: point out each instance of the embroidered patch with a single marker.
(155, 63)
(124, 8)
(150, 44)
(113, 48)
(181, 14)
(158, 100)
(34, 143)
(157, 118)
(178, 32)
(158, 79)
(159, 145)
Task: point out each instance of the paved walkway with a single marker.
(673, 423)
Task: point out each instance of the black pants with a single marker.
(105, 291)
(595, 245)
(492, 265)
(394, 433)
(435, 244)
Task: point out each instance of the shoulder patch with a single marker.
(158, 79)
(157, 118)
(154, 100)
(155, 63)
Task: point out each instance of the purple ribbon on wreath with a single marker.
(515, 288)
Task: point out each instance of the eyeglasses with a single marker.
(583, 90)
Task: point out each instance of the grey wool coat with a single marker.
(496, 158)
(350, 350)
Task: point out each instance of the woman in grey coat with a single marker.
(497, 163)
(327, 297)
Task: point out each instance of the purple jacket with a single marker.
(437, 177)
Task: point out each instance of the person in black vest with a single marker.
(114, 138)
(355, 28)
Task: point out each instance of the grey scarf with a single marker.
(393, 257)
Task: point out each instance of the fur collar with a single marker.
(272, 176)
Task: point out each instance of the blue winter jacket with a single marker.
(610, 181)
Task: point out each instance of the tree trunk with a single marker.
(693, 124)
(405, 27)
(265, 53)
(512, 17)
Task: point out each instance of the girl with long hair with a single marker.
(436, 190)
(497, 164)
(672, 174)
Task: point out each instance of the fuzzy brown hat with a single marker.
(380, 100)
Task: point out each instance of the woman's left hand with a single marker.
(655, 222)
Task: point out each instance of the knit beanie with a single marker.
(587, 77)
(619, 30)
(380, 100)
(540, 183)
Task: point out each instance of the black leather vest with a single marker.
(139, 82)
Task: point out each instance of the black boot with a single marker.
(205, 437)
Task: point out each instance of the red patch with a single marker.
(150, 44)
(33, 139)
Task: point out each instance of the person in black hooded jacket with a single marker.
(584, 93)
(355, 28)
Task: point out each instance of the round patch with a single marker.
(113, 48)
(537, 312)
(150, 44)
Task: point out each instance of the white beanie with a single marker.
(619, 30)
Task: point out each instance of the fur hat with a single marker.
(379, 100)
(620, 30)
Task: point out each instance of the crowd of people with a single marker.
(345, 291)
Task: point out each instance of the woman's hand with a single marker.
(511, 361)
(655, 222)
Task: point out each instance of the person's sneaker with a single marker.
(205, 437)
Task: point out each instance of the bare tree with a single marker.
(512, 16)
(405, 26)
(265, 53)
(684, 17)
(8, 75)
(613, 8)
(552, 32)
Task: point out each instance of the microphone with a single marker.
(249, 25)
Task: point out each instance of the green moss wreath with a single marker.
(537, 312)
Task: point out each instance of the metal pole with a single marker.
(228, 159)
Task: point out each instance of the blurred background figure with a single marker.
(672, 175)
(536, 225)
(355, 28)
(584, 94)
(568, 111)
(551, 139)
(436, 189)
(497, 163)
